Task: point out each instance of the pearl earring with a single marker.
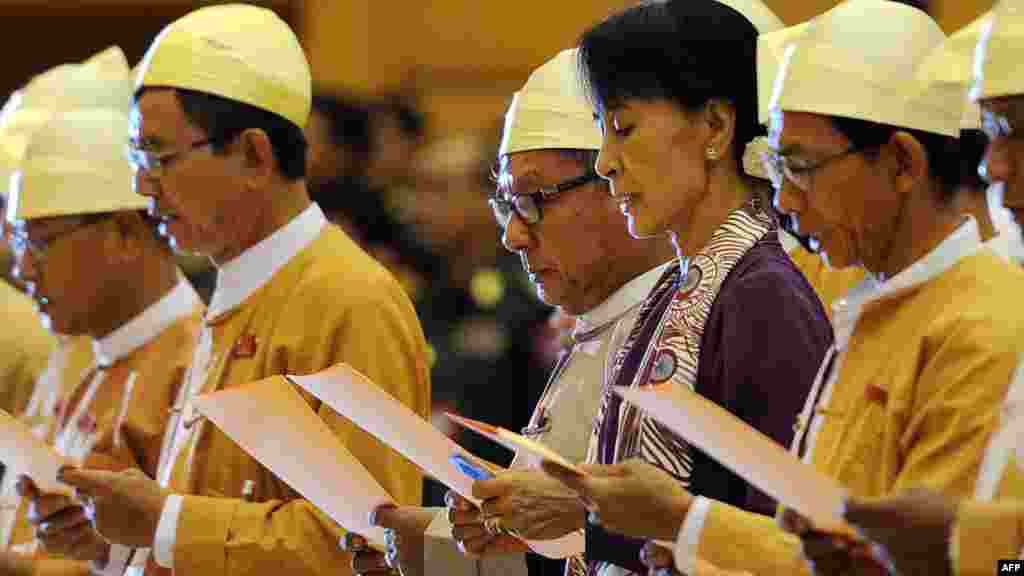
(712, 153)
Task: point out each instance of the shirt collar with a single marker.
(963, 242)
(1007, 242)
(243, 276)
(139, 331)
(622, 300)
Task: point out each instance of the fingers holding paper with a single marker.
(914, 528)
(472, 535)
(61, 524)
(632, 498)
(125, 506)
(366, 561)
(531, 504)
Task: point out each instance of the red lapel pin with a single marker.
(245, 347)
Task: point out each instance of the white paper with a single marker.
(271, 421)
(357, 398)
(370, 407)
(26, 455)
(747, 452)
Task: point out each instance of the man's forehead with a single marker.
(157, 118)
(42, 226)
(791, 132)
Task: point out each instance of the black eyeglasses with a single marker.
(802, 176)
(156, 165)
(528, 206)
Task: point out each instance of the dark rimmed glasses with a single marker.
(528, 205)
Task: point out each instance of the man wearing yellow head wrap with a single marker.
(582, 260)
(921, 531)
(222, 97)
(96, 268)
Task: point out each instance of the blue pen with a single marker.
(469, 469)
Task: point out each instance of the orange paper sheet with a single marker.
(357, 398)
(271, 421)
(25, 455)
(515, 442)
(745, 451)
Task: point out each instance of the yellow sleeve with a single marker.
(226, 536)
(380, 336)
(734, 539)
(984, 534)
(959, 394)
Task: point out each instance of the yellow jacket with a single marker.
(67, 363)
(828, 283)
(331, 303)
(917, 398)
(24, 349)
(122, 427)
(987, 532)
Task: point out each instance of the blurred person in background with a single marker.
(341, 140)
(25, 345)
(478, 312)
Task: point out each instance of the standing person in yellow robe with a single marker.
(95, 266)
(222, 97)
(923, 531)
(24, 348)
(925, 348)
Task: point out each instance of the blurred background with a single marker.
(407, 117)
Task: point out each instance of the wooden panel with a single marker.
(464, 59)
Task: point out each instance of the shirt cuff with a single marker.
(117, 561)
(688, 542)
(167, 532)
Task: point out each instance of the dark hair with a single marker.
(922, 5)
(223, 119)
(973, 144)
(687, 51)
(411, 122)
(944, 160)
(348, 123)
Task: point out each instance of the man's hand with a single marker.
(14, 564)
(532, 504)
(468, 530)
(125, 507)
(914, 528)
(632, 498)
(61, 524)
(405, 528)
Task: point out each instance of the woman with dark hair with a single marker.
(733, 320)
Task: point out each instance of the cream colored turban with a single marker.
(99, 82)
(239, 52)
(74, 162)
(862, 60)
(950, 68)
(551, 111)
(996, 71)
